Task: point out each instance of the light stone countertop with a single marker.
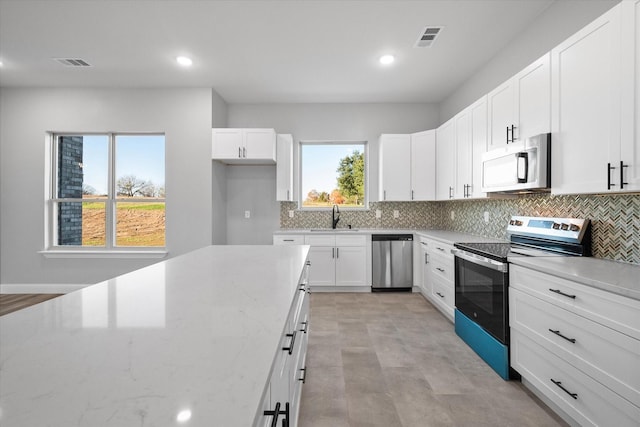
(195, 333)
(616, 277)
(442, 235)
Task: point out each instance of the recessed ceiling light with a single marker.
(184, 61)
(387, 59)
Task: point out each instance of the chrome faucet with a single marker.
(335, 216)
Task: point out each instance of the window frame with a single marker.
(365, 144)
(110, 248)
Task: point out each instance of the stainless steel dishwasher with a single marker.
(392, 262)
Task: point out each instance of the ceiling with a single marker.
(260, 51)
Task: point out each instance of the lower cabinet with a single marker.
(438, 275)
(281, 399)
(338, 260)
(578, 346)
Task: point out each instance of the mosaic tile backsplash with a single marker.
(615, 218)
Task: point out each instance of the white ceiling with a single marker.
(261, 50)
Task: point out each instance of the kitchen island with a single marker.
(187, 341)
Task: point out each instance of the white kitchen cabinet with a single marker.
(284, 168)
(521, 107)
(463, 159)
(244, 146)
(337, 260)
(288, 239)
(445, 160)
(423, 165)
(394, 170)
(407, 166)
(575, 344)
(630, 132)
(478, 148)
(438, 275)
(426, 282)
(586, 108)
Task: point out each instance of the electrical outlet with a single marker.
(291, 214)
(453, 215)
(378, 213)
(486, 217)
(396, 214)
(247, 214)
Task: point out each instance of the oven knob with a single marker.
(556, 226)
(512, 222)
(564, 227)
(518, 223)
(574, 227)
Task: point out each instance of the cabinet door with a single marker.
(284, 168)
(479, 145)
(533, 99)
(585, 97)
(464, 154)
(322, 270)
(351, 266)
(227, 143)
(630, 138)
(395, 168)
(445, 159)
(500, 112)
(260, 144)
(423, 165)
(427, 281)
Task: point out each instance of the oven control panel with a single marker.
(565, 229)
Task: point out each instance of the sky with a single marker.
(139, 155)
(320, 164)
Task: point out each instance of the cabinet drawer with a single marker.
(351, 240)
(442, 266)
(289, 239)
(442, 295)
(600, 352)
(593, 405)
(441, 248)
(614, 311)
(320, 240)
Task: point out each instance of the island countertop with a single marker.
(189, 341)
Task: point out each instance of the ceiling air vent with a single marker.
(72, 62)
(428, 36)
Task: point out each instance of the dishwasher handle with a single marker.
(391, 237)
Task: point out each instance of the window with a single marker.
(106, 191)
(333, 173)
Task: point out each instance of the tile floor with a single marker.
(392, 359)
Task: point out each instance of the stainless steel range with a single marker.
(482, 279)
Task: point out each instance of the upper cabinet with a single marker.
(587, 84)
(407, 166)
(471, 143)
(445, 158)
(630, 136)
(244, 146)
(284, 168)
(521, 107)
(423, 165)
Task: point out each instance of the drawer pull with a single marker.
(308, 262)
(439, 294)
(559, 384)
(558, 291)
(440, 249)
(440, 269)
(287, 240)
(293, 340)
(276, 413)
(571, 340)
(306, 326)
(304, 375)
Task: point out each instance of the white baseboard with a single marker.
(39, 288)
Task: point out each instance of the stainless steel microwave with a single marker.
(523, 166)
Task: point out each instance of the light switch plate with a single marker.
(396, 214)
(291, 214)
(378, 213)
(453, 215)
(247, 214)
(486, 217)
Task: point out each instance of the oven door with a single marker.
(481, 292)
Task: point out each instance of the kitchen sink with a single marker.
(334, 230)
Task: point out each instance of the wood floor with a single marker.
(13, 302)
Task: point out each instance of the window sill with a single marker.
(148, 254)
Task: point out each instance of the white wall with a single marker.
(558, 22)
(26, 115)
(358, 122)
(218, 177)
